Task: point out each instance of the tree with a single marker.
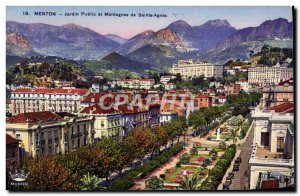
(139, 142)
(91, 183)
(233, 135)
(190, 182)
(154, 183)
(194, 151)
(47, 174)
(112, 157)
(185, 158)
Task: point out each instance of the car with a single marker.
(226, 186)
(231, 174)
(228, 181)
(239, 159)
(229, 178)
(237, 162)
(235, 167)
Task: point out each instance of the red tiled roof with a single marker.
(33, 117)
(285, 107)
(96, 109)
(289, 81)
(11, 140)
(95, 97)
(203, 96)
(51, 91)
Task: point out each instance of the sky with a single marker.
(127, 27)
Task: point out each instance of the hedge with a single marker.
(216, 175)
(125, 182)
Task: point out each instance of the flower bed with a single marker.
(125, 182)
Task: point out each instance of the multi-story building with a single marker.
(47, 133)
(134, 83)
(273, 144)
(166, 79)
(190, 69)
(244, 85)
(25, 100)
(276, 95)
(266, 75)
(108, 122)
(167, 116)
(204, 101)
(12, 152)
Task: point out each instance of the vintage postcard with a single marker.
(150, 98)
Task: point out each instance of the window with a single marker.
(280, 144)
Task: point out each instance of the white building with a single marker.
(265, 75)
(166, 79)
(273, 144)
(167, 116)
(134, 83)
(190, 69)
(244, 85)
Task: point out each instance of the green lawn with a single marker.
(172, 176)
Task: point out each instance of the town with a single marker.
(230, 125)
(150, 99)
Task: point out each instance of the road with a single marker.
(241, 178)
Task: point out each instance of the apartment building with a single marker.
(12, 152)
(244, 85)
(278, 94)
(190, 69)
(145, 84)
(108, 122)
(47, 133)
(265, 75)
(25, 100)
(273, 145)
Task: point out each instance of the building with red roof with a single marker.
(25, 100)
(12, 152)
(47, 133)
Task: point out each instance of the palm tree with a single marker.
(91, 183)
(233, 135)
(190, 182)
(154, 183)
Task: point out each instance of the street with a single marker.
(241, 178)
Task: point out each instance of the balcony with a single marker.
(263, 156)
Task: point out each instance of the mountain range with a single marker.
(215, 40)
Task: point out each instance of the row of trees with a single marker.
(206, 116)
(69, 171)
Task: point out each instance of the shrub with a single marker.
(162, 176)
(178, 164)
(213, 151)
(185, 158)
(194, 151)
(222, 145)
(125, 182)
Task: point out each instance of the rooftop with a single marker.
(51, 91)
(11, 140)
(34, 117)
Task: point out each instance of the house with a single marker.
(273, 144)
(25, 100)
(167, 116)
(47, 133)
(12, 152)
(244, 85)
